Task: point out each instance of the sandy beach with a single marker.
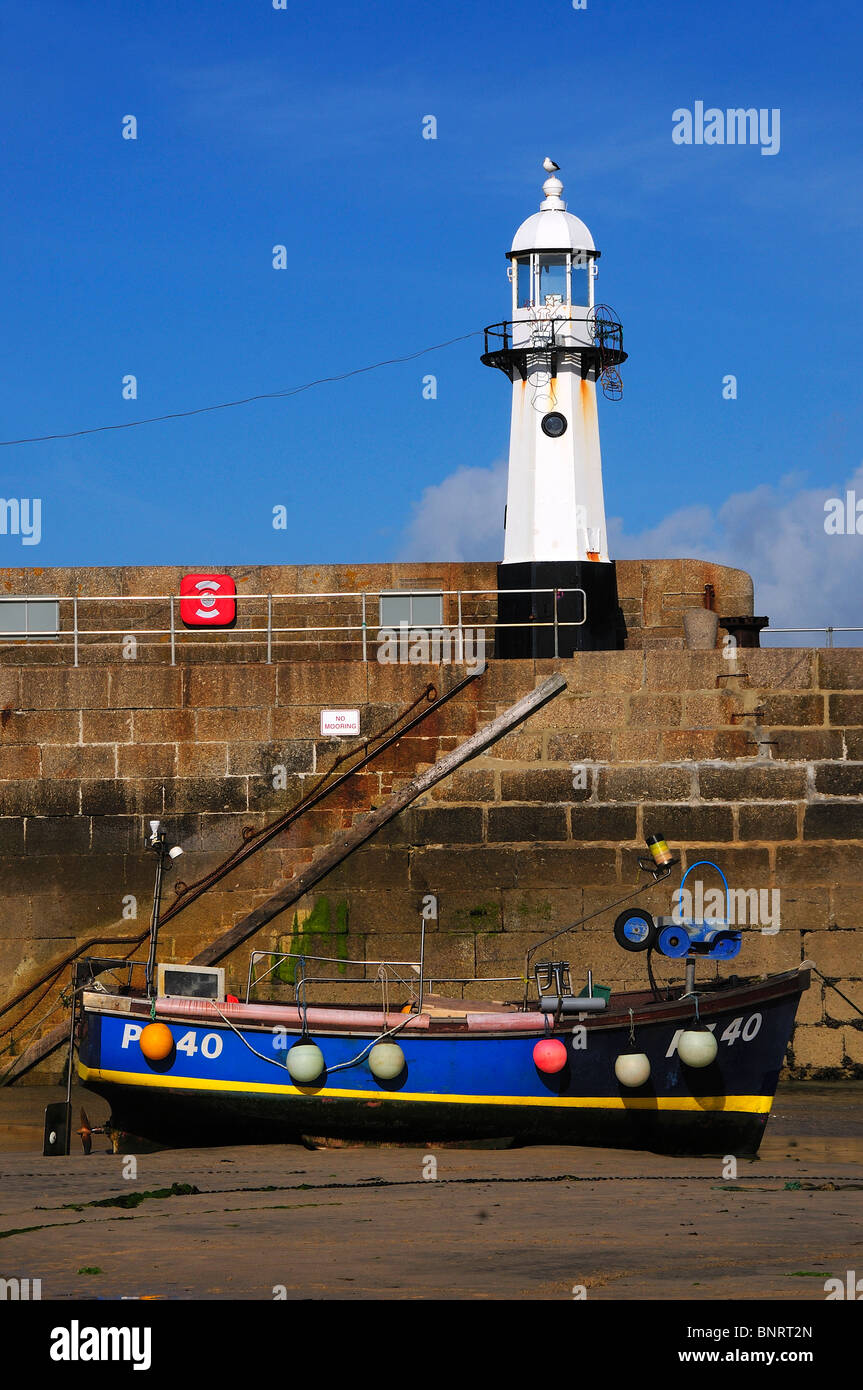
(269, 1222)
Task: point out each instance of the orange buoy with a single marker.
(156, 1042)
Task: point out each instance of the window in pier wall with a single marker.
(22, 618)
(416, 607)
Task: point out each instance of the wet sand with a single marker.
(367, 1223)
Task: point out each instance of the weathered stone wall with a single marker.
(756, 765)
(321, 617)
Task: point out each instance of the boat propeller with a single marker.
(87, 1131)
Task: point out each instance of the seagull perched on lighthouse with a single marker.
(549, 165)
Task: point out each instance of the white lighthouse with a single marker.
(554, 348)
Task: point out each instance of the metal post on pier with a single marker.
(269, 629)
(75, 628)
(173, 635)
(365, 648)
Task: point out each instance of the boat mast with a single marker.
(164, 858)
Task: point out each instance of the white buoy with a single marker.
(632, 1068)
(305, 1062)
(386, 1061)
(697, 1047)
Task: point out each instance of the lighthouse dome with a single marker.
(552, 228)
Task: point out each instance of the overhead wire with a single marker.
(244, 400)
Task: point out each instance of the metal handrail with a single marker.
(279, 956)
(313, 634)
(425, 982)
(499, 336)
(241, 598)
(828, 631)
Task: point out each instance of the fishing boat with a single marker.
(690, 1067)
(468, 1070)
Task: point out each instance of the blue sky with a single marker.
(303, 127)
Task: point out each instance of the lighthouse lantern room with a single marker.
(558, 585)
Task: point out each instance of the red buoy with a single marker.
(549, 1054)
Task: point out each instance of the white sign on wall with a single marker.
(339, 721)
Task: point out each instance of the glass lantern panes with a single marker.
(580, 278)
(552, 280)
(524, 290)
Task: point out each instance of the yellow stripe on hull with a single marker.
(752, 1105)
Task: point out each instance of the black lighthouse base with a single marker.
(603, 628)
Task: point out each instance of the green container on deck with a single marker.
(599, 992)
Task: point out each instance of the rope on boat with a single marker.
(342, 1066)
(693, 994)
(609, 907)
(338, 1066)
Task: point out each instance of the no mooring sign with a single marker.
(335, 722)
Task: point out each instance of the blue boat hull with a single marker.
(456, 1086)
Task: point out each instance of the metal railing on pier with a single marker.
(827, 632)
(277, 626)
(464, 615)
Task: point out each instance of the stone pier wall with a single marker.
(757, 765)
(317, 611)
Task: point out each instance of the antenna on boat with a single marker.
(157, 842)
(660, 864)
(428, 913)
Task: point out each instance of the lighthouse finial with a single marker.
(552, 188)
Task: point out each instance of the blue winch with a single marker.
(715, 939)
(637, 930)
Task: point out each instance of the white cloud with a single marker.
(460, 518)
(803, 576)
